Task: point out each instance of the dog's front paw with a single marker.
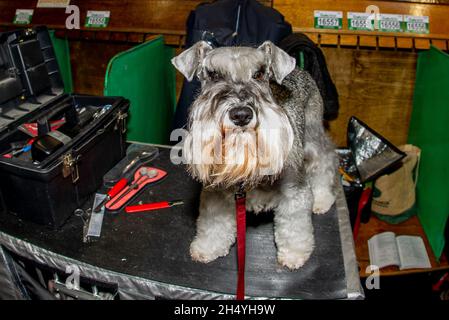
(205, 252)
(295, 258)
(322, 202)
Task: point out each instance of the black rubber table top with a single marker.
(155, 245)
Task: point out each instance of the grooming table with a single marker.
(146, 255)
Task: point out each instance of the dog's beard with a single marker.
(224, 157)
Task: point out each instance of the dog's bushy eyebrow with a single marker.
(214, 75)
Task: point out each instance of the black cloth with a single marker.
(155, 246)
(315, 64)
(228, 23)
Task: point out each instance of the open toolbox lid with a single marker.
(29, 74)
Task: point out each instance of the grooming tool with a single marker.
(143, 177)
(144, 174)
(136, 157)
(20, 151)
(112, 193)
(17, 148)
(153, 206)
(96, 219)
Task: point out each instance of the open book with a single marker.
(406, 252)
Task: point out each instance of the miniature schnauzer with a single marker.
(256, 124)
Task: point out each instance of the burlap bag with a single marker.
(394, 194)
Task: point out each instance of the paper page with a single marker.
(383, 250)
(412, 252)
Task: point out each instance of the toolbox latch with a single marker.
(70, 167)
(121, 121)
(13, 72)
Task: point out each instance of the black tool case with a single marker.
(31, 94)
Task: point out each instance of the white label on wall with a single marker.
(417, 24)
(23, 16)
(328, 19)
(360, 21)
(53, 3)
(97, 19)
(391, 22)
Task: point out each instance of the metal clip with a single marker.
(121, 121)
(240, 193)
(70, 167)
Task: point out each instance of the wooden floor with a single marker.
(409, 227)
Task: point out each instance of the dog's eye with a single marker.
(259, 75)
(214, 75)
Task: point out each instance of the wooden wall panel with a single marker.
(158, 14)
(300, 13)
(375, 86)
(88, 78)
(126, 14)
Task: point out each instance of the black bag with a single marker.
(89, 142)
(299, 46)
(228, 23)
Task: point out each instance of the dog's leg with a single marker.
(216, 227)
(321, 175)
(293, 229)
(321, 160)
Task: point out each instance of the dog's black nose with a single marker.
(241, 116)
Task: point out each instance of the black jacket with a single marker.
(228, 23)
(315, 63)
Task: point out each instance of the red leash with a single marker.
(364, 199)
(240, 208)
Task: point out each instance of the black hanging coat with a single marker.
(313, 61)
(228, 23)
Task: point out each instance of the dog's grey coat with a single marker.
(300, 98)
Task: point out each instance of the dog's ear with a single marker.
(278, 61)
(190, 61)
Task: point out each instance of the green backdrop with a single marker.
(145, 76)
(429, 130)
